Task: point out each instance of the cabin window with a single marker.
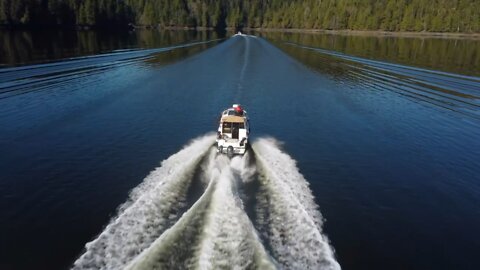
(228, 127)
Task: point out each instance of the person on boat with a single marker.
(239, 111)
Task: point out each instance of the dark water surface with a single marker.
(390, 149)
(28, 47)
(442, 54)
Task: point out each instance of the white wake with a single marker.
(229, 237)
(155, 230)
(221, 234)
(287, 213)
(151, 208)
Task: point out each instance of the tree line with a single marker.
(388, 15)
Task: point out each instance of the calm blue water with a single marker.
(391, 152)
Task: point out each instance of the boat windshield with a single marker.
(235, 113)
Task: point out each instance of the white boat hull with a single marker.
(233, 131)
(231, 147)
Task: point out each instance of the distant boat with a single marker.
(233, 131)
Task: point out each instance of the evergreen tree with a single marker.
(388, 15)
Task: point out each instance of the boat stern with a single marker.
(232, 147)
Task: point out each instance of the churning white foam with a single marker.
(229, 238)
(287, 216)
(175, 248)
(152, 207)
(153, 230)
(221, 234)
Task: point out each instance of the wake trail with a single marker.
(229, 239)
(214, 234)
(448, 91)
(152, 207)
(176, 246)
(244, 68)
(287, 216)
(154, 230)
(74, 63)
(21, 80)
(245, 58)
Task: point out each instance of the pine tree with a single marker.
(390, 15)
(4, 11)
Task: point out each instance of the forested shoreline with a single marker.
(461, 16)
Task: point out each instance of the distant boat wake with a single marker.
(453, 92)
(200, 210)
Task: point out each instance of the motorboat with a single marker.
(233, 131)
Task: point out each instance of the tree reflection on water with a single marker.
(29, 47)
(446, 54)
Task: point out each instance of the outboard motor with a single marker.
(230, 152)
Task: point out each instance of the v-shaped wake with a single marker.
(164, 226)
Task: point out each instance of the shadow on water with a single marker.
(29, 47)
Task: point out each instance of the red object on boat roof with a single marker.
(238, 108)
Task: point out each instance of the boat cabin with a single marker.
(233, 130)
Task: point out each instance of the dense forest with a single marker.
(388, 15)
